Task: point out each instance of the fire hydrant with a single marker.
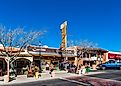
(36, 75)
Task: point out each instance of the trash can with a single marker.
(6, 79)
(87, 69)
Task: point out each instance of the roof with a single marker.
(97, 49)
(114, 52)
(43, 47)
(13, 49)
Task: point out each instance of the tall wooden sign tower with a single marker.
(64, 36)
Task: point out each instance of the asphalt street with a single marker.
(106, 78)
(54, 82)
(109, 74)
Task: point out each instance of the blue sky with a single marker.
(96, 20)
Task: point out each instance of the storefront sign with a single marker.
(114, 56)
(93, 58)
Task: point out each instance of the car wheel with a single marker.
(120, 68)
(103, 68)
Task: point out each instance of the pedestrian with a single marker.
(52, 73)
(66, 66)
(47, 67)
(69, 67)
(83, 69)
(36, 69)
(80, 69)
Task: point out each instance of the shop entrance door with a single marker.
(38, 64)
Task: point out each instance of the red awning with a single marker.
(114, 56)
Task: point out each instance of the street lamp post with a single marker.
(40, 54)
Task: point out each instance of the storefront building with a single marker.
(21, 61)
(43, 55)
(90, 56)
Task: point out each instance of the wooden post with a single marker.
(6, 77)
(89, 58)
(75, 62)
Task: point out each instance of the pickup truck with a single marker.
(111, 64)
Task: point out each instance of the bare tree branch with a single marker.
(83, 47)
(14, 41)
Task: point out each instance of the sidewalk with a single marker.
(44, 76)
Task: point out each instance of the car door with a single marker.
(108, 64)
(112, 64)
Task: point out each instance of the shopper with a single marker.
(80, 69)
(36, 72)
(83, 69)
(47, 67)
(52, 70)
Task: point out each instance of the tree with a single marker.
(14, 41)
(82, 47)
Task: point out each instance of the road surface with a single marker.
(54, 82)
(109, 74)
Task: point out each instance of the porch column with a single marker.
(76, 60)
(8, 70)
(100, 58)
(97, 59)
(66, 58)
(89, 58)
(104, 57)
(86, 58)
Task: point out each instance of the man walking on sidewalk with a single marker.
(52, 72)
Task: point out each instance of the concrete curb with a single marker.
(28, 81)
(80, 83)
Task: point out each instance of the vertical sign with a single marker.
(64, 35)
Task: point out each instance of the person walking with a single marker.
(47, 67)
(36, 69)
(83, 69)
(80, 69)
(52, 73)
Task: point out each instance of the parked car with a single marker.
(110, 64)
